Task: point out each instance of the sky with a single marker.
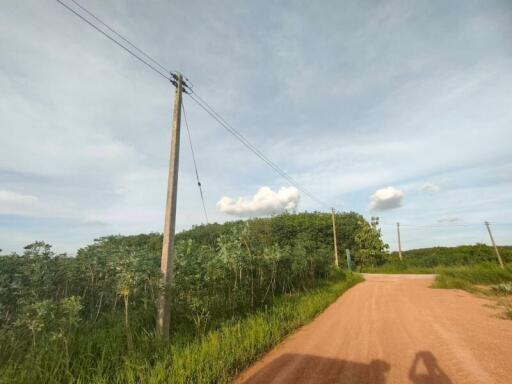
(394, 109)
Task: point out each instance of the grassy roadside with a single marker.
(469, 277)
(223, 353)
(460, 276)
(399, 268)
(484, 279)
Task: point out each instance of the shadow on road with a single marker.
(434, 374)
(301, 369)
(298, 369)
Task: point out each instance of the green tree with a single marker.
(370, 250)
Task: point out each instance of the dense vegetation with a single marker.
(90, 318)
(425, 260)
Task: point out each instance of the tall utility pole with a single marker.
(494, 245)
(335, 241)
(167, 262)
(399, 242)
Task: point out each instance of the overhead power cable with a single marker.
(119, 35)
(440, 225)
(199, 185)
(151, 63)
(216, 116)
(166, 76)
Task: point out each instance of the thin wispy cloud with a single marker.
(431, 188)
(449, 220)
(18, 203)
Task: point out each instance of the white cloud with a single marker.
(386, 198)
(430, 187)
(265, 201)
(17, 203)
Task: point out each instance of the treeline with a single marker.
(450, 256)
(68, 318)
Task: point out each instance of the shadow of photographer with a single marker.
(297, 369)
(301, 369)
(434, 374)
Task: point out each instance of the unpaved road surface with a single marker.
(395, 329)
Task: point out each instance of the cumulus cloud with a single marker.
(430, 187)
(265, 201)
(386, 198)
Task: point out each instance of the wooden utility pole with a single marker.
(167, 262)
(399, 242)
(335, 241)
(494, 245)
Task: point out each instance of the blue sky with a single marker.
(408, 102)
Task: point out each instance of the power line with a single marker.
(202, 103)
(440, 226)
(114, 40)
(119, 35)
(216, 116)
(195, 163)
(205, 106)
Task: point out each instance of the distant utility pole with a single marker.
(494, 245)
(335, 241)
(167, 261)
(399, 242)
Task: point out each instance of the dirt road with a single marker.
(394, 329)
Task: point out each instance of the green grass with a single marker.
(452, 276)
(467, 277)
(223, 353)
(485, 278)
(471, 278)
(99, 355)
(399, 268)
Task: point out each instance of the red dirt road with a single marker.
(395, 329)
